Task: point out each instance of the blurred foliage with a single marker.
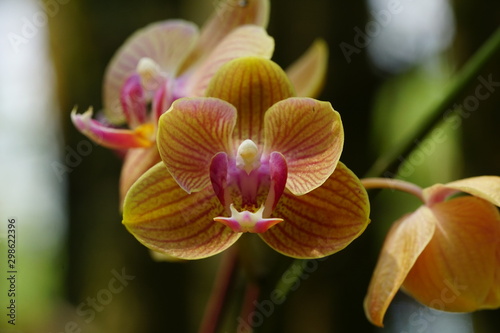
(170, 297)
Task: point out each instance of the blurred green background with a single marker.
(63, 190)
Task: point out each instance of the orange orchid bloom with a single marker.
(446, 254)
(172, 59)
(249, 158)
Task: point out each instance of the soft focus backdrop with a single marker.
(384, 71)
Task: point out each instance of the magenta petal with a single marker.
(162, 100)
(142, 136)
(278, 171)
(133, 101)
(218, 177)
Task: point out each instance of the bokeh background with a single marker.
(63, 190)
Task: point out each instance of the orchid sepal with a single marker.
(323, 221)
(244, 41)
(485, 187)
(308, 73)
(217, 26)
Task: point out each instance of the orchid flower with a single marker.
(172, 59)
(446, 254)
(249, 158)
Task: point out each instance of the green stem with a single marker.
(388, 162)
(293, 273)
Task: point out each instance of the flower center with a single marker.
(249, 187)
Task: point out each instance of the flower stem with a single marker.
(395, 184)
(251, 296)
(220, 292)
(389, 161)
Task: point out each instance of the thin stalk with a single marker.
(394, 184)
(220, 292)
(388, 162)
(251, 297)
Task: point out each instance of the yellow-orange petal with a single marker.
(252, 85)
(308, 73)
(404, 243)
(323, 221)
(228, 15)
(484, 187)
(166, 219)
(249, 40)
(167, 43)
(137, 161)
(310, 136)
(459, 270)
(190, 133)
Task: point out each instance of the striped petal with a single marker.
(166, 219)
(310, 135)
(114, 138)
(460, 268)
(308, 73)
(228, 15)
(137, 161)
(190, 133)
(252, 85)
(405, 241)
(484, 187)
(322, 222)
(167, 43)
(242, 42)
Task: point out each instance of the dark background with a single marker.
(169, 297)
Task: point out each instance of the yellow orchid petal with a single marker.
(244, 41)
(167, 43)
(485, 187)
(228, 15)
(459, 270)
(308, 73)
(166, 219)
(136, 162)
(323, 221)
(405, 241)
(190, 133)
(252, 85)
(310, 136)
